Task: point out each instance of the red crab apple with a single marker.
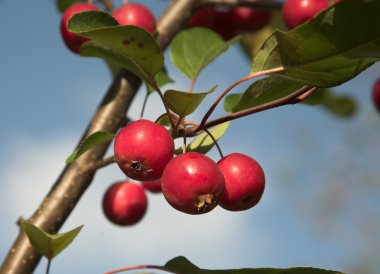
(192, 183)
(248, 19)
(135, 14)
(244, 182)
(376, 94)
(125, 203)
(216, 19)
(142, 150)
(74, 41)
(152, 186)
(296, 12)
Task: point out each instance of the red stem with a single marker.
(221, 96)
(137, 267)
(290, 99)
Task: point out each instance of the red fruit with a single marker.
(152, 186)
(135, 14)
(125, 203)
(376, 95)
(244, 182)
(142, 150)
(74, 41)
(248, 19)
(296, 12)
(215, 19)
(192, 183)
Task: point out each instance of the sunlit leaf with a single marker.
(204, 143)
(193, 49)
(47, 244)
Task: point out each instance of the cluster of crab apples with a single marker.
(191, 182)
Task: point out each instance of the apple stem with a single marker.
(138, 267)
(226, 91)
(157, 88)
(184, 144)
(144, 104)
(48, 266)
(215, 142)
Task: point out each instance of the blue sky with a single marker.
(320, 206)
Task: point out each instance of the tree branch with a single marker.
(289, 99)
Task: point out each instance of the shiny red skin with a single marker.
(142, 150)
(74, 41)
(125, 203)
(135, 14)
(190, 178)
(217, 20)
(296, 12)
(152, 186)
(244, 182)
(376, 95)
(247, 19)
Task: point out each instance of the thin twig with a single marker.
(289, 99)
(224, 93)
(160, 93)
(137, 267)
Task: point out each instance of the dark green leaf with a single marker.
(47, 244)
(130, 47)
(193, 49)
(91, 141)
(162, 79)
(264, 91)
(164, 121)
(204, 143)
(62, 5)
(276, 87)
(184, 103)
(334, 47)
(184, 266)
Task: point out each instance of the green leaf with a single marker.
(334, 47)
(47, 244)
(204, 143)
(164, 121)
(184, 103)
(62, 5)
(193, 49)
(231, 101)
(130, 47)
(162, 79)
(184, 266)
(91, 141)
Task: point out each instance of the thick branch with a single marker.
(73, 181)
